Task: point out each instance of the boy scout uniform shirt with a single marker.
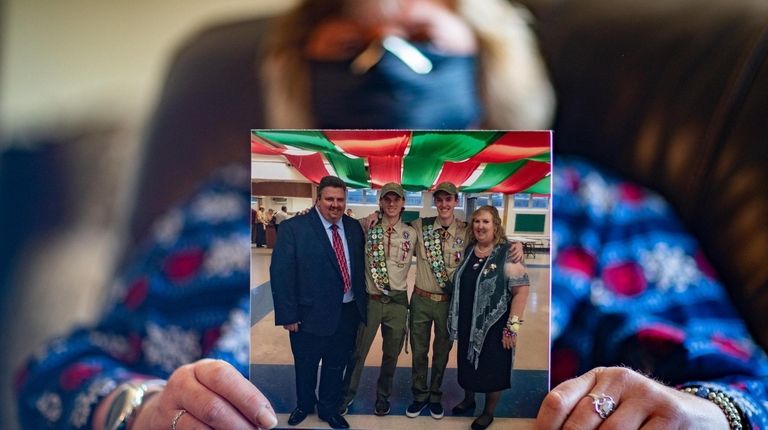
(453, 251)
(399, 249)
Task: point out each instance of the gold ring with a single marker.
(604, 404)
(177, 417)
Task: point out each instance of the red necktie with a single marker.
(338, 248)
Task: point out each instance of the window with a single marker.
(413, 198)
(355, 196)
(371, 197)
(365, 196)
(540, 202)
(496, 200)
(527, 200)
(522, 200)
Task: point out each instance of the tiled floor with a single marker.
(272, 368)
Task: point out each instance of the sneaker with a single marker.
(414, 410)
(436, 410)
(382, 407)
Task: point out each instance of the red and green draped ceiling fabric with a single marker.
(509, 161)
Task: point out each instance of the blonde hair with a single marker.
(514, 86)
(498, 231)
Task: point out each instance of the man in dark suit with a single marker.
(318, 285)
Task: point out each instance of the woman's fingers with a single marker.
(508, 342)
(559, 402)
(215, 394)
(620, 398)
(206, 405)
(186, 421)
(223, 379)
(631, 415)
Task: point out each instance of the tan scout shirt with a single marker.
(453, 252)
(398, 248)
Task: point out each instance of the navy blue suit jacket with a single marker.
(306, 280)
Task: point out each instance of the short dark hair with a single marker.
(284, 208)
(330, 181)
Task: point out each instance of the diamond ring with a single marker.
(604, 404)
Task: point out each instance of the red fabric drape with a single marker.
(311, 166)
(524, 177)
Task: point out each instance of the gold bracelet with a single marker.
(722, 400)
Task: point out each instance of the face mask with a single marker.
(392, 95)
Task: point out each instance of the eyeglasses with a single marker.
(341, 40)
(410, 55)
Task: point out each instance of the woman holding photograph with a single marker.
(485, 314)
(487, 62)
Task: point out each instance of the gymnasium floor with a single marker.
(272, 364)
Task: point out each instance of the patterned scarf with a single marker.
(492, 296)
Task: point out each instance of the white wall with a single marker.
(293, 204)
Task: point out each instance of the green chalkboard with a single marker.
(529, 223)
(409, 216)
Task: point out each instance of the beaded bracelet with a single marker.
(722, 400)
(508, 333)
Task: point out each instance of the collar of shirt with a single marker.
(327, 224)
(397, 227)
(451, 228)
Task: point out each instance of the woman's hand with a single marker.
(640, 403)
(213, 394)
(509, 342)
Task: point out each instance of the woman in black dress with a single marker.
(485, 315)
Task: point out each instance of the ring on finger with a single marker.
(177, 417)
(604, 404)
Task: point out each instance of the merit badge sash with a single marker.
(433, 244)
(377, 259)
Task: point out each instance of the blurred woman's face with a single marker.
(394, 64)
(365, 21)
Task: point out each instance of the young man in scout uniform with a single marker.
(442, 240)
(389, 247)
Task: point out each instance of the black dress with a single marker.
(494, 371)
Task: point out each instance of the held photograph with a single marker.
(443, 252)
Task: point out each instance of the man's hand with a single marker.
(292, 327)
(370, 221)
(516, 252)
(213, 394)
